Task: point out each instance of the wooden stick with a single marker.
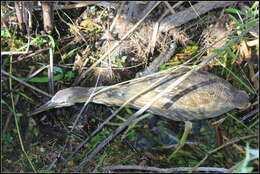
(25, 84)
(165, 170)
(185, 16)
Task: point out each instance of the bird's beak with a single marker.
(45, 107)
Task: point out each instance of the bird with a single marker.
(200, 96)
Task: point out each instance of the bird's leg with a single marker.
(187, 130)
(132, 125)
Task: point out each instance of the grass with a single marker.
(36, 156)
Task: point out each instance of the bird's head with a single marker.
(63, 98)
(241, 99)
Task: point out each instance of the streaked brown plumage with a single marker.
(200, 96)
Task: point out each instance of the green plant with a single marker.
(100, 137)
(5, 33)
(242, 20)
(11, 42)
(69, 75)
(118, 62)
(44, 78)
(70, 53)
(7, 140)
(247, 17)
(38, 41)
(251, 154)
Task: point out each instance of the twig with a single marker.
(167, 11)
(99, 163)
(221, 147)
(13, 52)
(255, 76)
(77, 5)
(240, 149)
(84, 4)
(25, 84)
(119, 11)
(53, 162)
(165, 170)
(124, 68)
(36, 72)
(158, 61)
(253, 43)
(149, 5)
(249, 114)
(151, 45)
(31, 55)
(170, 7)
(9, 116)
(231, 170)
(50, 72)
(115, 45)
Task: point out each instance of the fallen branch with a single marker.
(191, 13)
(158, 61)
(253, 43)
(165, 170)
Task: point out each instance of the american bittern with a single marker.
(202, 95)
